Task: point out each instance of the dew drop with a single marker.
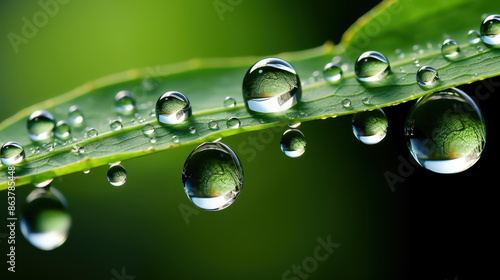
(192, 130)
(332, 72)
(62, 130)
(450, 48)
(117, 176)
(75, 116)
(366, 100)
(213, 124)
(371, 66)
(427, 76)
(271, 85)
(81, 150)
(229, 102)
(11, 153)
(173, 107)
(92, 132)
(293, 143)
(233, 122)
(124, 102)
(370, 127)
(40, 125)
(445, 131)
(473, 37)
(115, 125)
(212, 176)
(175, 139)
(490, 31)
(346, 103)
(148, 129)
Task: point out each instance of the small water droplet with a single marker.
(370, 127)
(450, 48)
(366, 100)
(115, 125)
(371, 66)
(233, 122)
(275, 87)
(213, 124)
(92, 132)
(148, 129)
(11, 153)
(86, 171)
(490, 31)
(75, 149)
(332, 72)
(117, 176)
(75, 116)
(152, 140)
(229, 102)
(294, 125)
(192, 130)
(173, 107)
(175, 139)
(81, 150)
(473, 37)
(212, 176)
(293, 143)
(346, 103)
(427, 76)
(124, 102)
(40, 125)
(62, 130)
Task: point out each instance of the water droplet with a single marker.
(173, 107)
(86, 171)
(274, 88)
(293, 143)
(371, 66)
(294, 125)
(233, 122)
(81, 149)
(445, 131)
(213, 124)
(427, 76)
(62, 130)
(117, 176)
(92, 132)
(75, 149)
(41, 124)
(450, 48)
(332, 72)
(175, 139)
(45, 221)
(473, 37)
(370, 127)
(43, 184)
(11, 153)
(346, 103)
(75, 116)
(148, 129)
(152, 140)
(490, 31)
(212, 176)
(192, 130)
(229, 102)
(124, 102)
(115, 125)
(366, 100)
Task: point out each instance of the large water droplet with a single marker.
(450, 48)
(117, 176)
(293, 143)
(427, 76)
(233, 122)
(212, 176)
(370, 127)
(490, 31)
(41, 124)
(75, 116)
(473, 37)
(124, 102)
(115, 125)
(271, 85)
(229, 102)
(11, 153)
(173, 107)
(445, 131)
(371, 66)
(332, 72)
(62, 130)
(45, 221)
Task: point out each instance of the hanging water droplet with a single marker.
(473, 37)
(117, 176)
(115, 125)
(294, 125)
(62, 130)
(490, 31)
(293, 143)
(370, 127)
(450, 48)
(233, 122)
(427, 76)
(271, 85)
(45, 221)
(332, 72)
(41, 124)
(229, 102)
(148, 129)
(173, 107)
(124, 102)
(75, 116)
(371, 66)
(92, 132)
(213, 124)
(366, 100)
(43, 184)
(445, 131)
(346, 103)
(212, 176)
(11, 153)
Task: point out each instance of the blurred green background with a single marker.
(336, 190)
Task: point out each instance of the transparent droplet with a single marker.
(445, 131)
(45, 221)
(490, 31)
(43, 184)
(192, 130)
(371, 66)
(450, 48)
(370, 127)
(62, 130)
(293, 143)
(41, 125)
(175, 139)
(75, 116)
(427, 76)
(332, 72)
(117, 176)
(92, 132)
(115, 125)
(75, 149)
(124, 102)
(229, 102)
(346, 103)
(271, 85)
(294, 125)
(212, 176)
(81, 149)
(173, 107)
(233, 122)
(366, 100)
(11, 153)
(473, 37)
(148, 129)
(213, 124)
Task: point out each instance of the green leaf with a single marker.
(405, 31)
